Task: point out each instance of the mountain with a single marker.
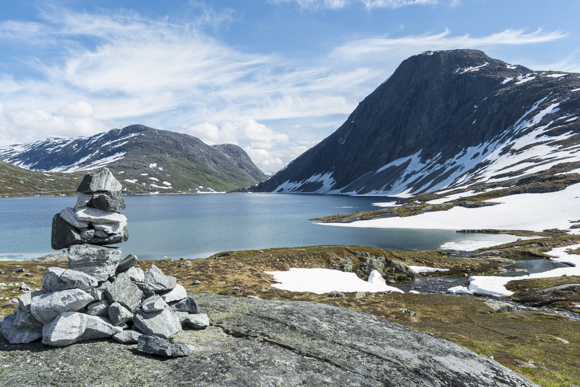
(445, 119)
(143, 159)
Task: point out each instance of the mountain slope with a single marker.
(143, 159)
(444, 119)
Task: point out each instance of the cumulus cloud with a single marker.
(260, 142)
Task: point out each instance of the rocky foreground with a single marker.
(256, 342)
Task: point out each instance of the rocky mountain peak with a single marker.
(419, 130)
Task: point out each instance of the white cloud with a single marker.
(78, 109)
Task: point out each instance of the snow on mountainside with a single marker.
(443, 120)
(143, 159)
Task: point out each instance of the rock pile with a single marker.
(101, 296)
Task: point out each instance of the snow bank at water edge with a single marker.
(495, 286)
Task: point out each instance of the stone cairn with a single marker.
(101, 296)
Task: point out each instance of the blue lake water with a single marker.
(197, 226)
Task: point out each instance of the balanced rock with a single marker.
(47, 306)
(98, 261)
(101, 180)
(158, 346)
(163, 324)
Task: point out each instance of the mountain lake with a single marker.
(199, 225)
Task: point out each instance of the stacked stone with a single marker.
(100, 296)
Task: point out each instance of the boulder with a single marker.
(98, 293)
(127, 337)
(118, 314)
(108, 201)
(153, 304)
(501, 307)
(73, 279)
(197, 321)
(64, 235)
(49, 282)
(157, 281)
(178, 293)
(136, 274)
(98, 261)
(101, 180)
(158, 346)
(125, 292)
(25, 300)
(99, 328)
(128, 262)
(163, 324)
(188, 305)
(16, 335)
(47, 306)
(25, 320)
(100, 308)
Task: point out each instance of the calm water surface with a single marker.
(195, 226)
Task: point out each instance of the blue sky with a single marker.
(273, 76)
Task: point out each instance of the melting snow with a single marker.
(321, 281)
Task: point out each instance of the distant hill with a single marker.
(445, 119)
(142, 158)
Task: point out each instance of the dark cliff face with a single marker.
(416, 129)
(144, 159)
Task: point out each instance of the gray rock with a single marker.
(128, 262)
(16, 335)
(98, 293)
(47, 306)
(270, 343)
(181, 316)
(125, 292)
(127, 337)
(197, 321)
(158, 346)
(25, 299)
(157, 281)
(178, 293)
(98, 261)
(71, 327)
(100, 308)
(68, 214)
(188, 305)
(49, 282)
(136, 274)
(118, 314)
(163, 324)
(64, 235)
(153, 304)
(108, 201)
(101, 180)
(83, 199)
(501, 307)
(99, 328)
(67, 328)
(147, 291)
(73, 279)
(25, 320)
